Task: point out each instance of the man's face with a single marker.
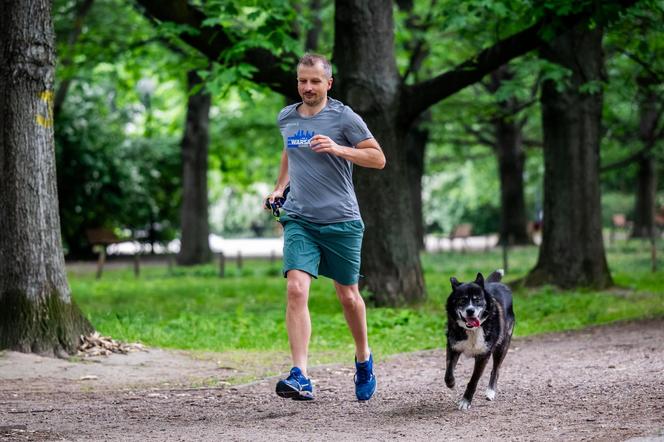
(312, 84)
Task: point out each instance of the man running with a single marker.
(323, 228)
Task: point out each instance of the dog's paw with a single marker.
(490, 394)
(450, 382)
(464, 404)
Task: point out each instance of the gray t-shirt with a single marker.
(321, 184)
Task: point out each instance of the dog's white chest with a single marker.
(474, 345)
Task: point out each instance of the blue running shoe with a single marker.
(296, 386)
(365, 381)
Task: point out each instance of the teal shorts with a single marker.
(331, 250)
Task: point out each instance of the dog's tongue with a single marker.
(473, 322)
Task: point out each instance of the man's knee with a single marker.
(349, 297)
(298, 290)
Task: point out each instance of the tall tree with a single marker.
(634, 47)
(37, 313)
(650, 112)
(508, 145)
(195, 247)
(572, 251)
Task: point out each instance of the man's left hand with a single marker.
(324, 144)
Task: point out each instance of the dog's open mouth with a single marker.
(472, 322)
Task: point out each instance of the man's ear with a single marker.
(455, 283)
(329, 83)
(479, 280)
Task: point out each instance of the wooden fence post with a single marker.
(653, 248)
(222, 265)
(101, 260)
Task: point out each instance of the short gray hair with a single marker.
(312, 59)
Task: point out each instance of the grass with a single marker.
(243, 313)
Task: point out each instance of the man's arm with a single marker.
(282, 179)
(366, 153)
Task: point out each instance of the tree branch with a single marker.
(646, 66)
(532, 143)
(211, 41)
(479, 136)
(419, 97)
(627, 161)
(419, 53)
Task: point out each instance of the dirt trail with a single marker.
(606, 383)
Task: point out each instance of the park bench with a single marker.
(462, 232)
(99, 239)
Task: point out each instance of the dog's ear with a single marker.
(455, 283)
(479, 280)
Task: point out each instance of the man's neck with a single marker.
(309, 111)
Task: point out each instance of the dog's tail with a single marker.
(496, 276)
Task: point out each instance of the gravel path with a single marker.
(605, 383)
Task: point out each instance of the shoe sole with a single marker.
(287, 392)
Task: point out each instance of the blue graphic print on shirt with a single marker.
(300, 138)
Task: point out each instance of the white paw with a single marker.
(464, 404)
(490, 394)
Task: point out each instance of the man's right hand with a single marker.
(271, 197)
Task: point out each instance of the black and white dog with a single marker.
(480, 322)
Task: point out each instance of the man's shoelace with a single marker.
(363, 375)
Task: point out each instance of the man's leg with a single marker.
(356, 317)
(298, 321)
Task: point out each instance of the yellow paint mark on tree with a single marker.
(46, 121)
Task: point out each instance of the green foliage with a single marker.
(110, 174)
(106, 179)
(265, 24)
(193, 309)
(117, 149)
(633, 47)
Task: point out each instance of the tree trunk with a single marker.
(511, 159)
(368, 81)
(646, 185)
(416, 142)
(36, 310)
(195, 246)
(572, 251)
(646, 196)
(508, 147)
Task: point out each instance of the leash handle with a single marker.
(278, 203)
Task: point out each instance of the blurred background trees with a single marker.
(475, 157)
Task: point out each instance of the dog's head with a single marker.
(468, 304)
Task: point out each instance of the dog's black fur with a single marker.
(480, 321)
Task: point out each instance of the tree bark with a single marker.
(194, 245)
(37, 313)
(511, 159)
(368, 81)
(572, 251)
(646, 184)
